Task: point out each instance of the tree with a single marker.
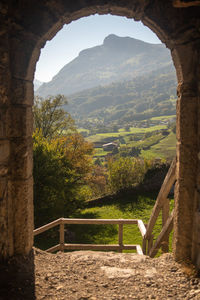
(50, 117)
(61, 168)
(62, 162)
(125, 172)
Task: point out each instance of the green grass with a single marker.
(100, 152)
(154, 139)
(163, 118)
(132, 207)
(121, 133)
(166, 148)
(83, 130)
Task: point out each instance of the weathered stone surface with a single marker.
(5, 151)
(22, 92)
(6, 221)
(25, 26)
(20, 121)
(4, 123)
(21, 158)
(21, 193)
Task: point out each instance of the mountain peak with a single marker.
(119, 58)
(113, 39)
(110, 37)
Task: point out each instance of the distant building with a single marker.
(110, 146)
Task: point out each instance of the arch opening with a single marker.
(31, 27)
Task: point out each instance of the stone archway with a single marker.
(25, 28)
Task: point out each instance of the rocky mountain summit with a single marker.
(117, 59)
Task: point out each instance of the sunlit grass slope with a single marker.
(132, 207)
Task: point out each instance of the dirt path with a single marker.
(90, 275)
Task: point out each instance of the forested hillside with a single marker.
(126, 102)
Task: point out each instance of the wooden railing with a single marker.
(162, 204)
(149, 247)
(120, 222)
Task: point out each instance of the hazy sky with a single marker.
(86, 33)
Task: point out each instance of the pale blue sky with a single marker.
(86, 33)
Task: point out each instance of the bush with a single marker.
(126, 172)
(60, 171)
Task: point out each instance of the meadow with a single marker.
(122, 133)
(137, 205)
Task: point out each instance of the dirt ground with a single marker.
(91, 275)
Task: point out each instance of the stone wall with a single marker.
(25, 26)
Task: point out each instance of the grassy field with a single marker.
(122, 133)
(132, 207)
(163, 118)
(166, 148)
(135, 206)
(100, 152)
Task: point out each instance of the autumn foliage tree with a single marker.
(126, 172)
(62, 164)
(50, 117)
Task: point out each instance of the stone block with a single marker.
(4, 122)
(4, 45)
(4, 170)
(186, 162)
(21, 121)
(187, 119)
(21, 162)
(5, 84)
(24, 53)
(4, 151)
(183, 221)
(21, 193)
(22, 92)
(3, 188)
(6, 229)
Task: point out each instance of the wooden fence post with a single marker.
(62, 235)
(150, 244)
(144, 246)
(120, 237)
(165, 216)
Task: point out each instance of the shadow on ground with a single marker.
(17, 279)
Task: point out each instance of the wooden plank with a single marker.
(46, 227)
(164, 191)
(130, 247)
(144, 246)
(62, 236)
(139, 250)
(98, 247)
(54, 248)
(90, 247)
(165, 216)
(120, 237)
(150, 244)
(100, 221)
(164, 232)
(142, 228)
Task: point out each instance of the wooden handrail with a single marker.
(46, 227)
(120, 222)
(164, 232)
(162, 203)
(162, 196)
